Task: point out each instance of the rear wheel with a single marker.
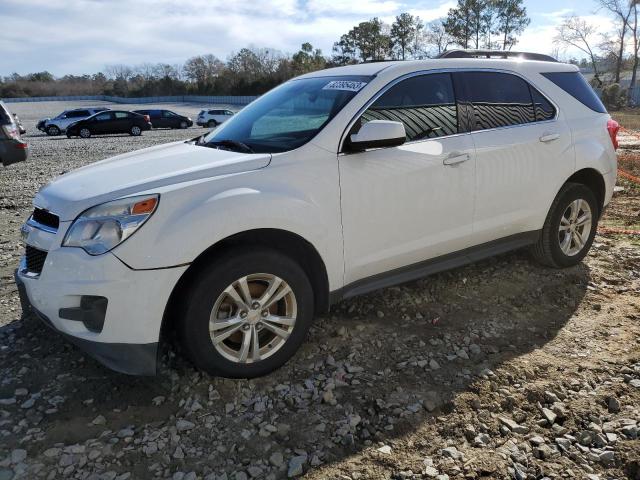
(247, 314)
(53, 130)
(570, 227)
(136, 131)
(212, 124)
(85, 132)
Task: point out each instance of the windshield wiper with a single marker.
(230, 145)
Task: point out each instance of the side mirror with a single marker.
(378, 134)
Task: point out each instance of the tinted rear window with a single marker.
(575, 85)
(498, 99)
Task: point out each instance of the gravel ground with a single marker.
(502, 369)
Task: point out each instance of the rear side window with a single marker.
(425, 104)
(78, 114)
(543, 108)
(575, 85)
(497, 99)
(122, 115)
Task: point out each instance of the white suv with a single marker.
(213, 118)
(334, 184)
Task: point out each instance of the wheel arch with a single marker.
(288, 243)
(594, 180)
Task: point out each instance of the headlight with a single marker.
(103, 227)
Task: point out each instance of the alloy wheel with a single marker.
(253, 318)
(575, 227)
(85, 133)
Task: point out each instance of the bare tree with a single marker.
(576, 32)
(437, 37)
(633, 27)
(621, 10)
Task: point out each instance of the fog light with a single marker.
(91, 312)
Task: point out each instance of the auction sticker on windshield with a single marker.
(348, 85)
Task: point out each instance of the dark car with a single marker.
(12, 148)
(113, 121)
(166, 119)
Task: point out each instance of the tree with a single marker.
(307, 60)
(367, 42)
(576, 32)
(469, 22)
(437, 36)
(404, 35)
(622, 11)
(203, 69)
(633, 27)
(511, 17)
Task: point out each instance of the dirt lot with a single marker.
(502, 369)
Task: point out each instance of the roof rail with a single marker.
(496, 54)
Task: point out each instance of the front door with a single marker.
(403, 205)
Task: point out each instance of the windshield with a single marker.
(288, 116)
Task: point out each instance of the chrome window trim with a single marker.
(417, 73)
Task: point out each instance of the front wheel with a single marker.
(212, 124)
(570, 227)
(184, 125)
(247, 314)
(136, 131)
(53, 130)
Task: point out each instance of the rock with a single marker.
(276, 459)
(6, 474)
(452, 452)
(549, 416)
(179, 453)
(513, 426)
(99, 420)
(635, 383)
(184, 425)
(28, 403)
(18, 455)
(433, 365)
(386, 449)
(254, 472)
(296, 465)
(613, 404)
(607, 457)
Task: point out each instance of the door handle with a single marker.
(455, 158)
(549, 137)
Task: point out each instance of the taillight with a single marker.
(21, 145)
(613, 127)
(147, 118)
(11, 131)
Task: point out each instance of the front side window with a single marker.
(425, 104)
(497, 99)
(288, 116)
(168, 114)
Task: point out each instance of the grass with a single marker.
(628, 118)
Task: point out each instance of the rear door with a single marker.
(522, 151)
(122, 123)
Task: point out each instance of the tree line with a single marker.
(492, 24)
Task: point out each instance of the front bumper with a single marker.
(132, 359)
(128, 340)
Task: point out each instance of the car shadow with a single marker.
(374, 369)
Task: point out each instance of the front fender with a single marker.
(193, 218)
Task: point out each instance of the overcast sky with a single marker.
(83, 36)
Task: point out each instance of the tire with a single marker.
(554, 248)
(135, 131)
(183, 125)
(53, 131)
(212, 124)
(261, 268)
(84, 132)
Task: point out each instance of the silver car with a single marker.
(57, 125)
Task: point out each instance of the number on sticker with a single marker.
(347, 85)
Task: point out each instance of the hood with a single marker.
(143, 170)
